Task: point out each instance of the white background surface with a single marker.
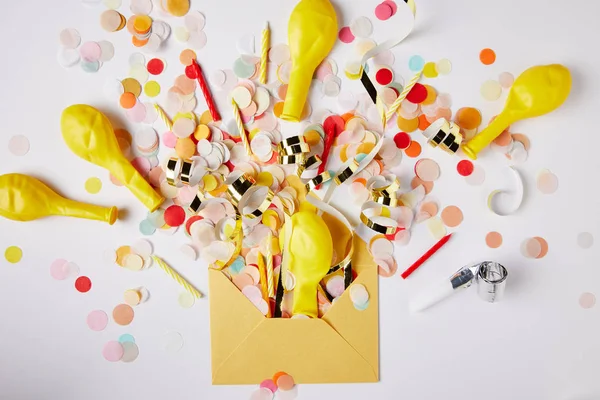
(536, 344)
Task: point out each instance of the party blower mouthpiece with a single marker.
(312, 32)
(489, 276)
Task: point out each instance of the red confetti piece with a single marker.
(345, 35)
(418, 94)
(156, 66)
(384, 76)
(334, 122)
(174, 215)
(83, 284)
(465, 168)
(190, 221)
(402, 140)
(191, 71)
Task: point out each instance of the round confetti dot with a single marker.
(345, 35)
(130, 351)
(261, 394)
(487, 56)
(416, 63)
(97, 320)
(452, 216)
(427, 169)
(585, 240)
(83, 284)
(123, 314)
(58, 270)
(361, 27)
(93, 185)
(430, 70)
(70, 38)
(547, 182)
(126, 337)
(402, 140)
(477, 177)
(384, 11)
(506, 79)
(13, 254)
(491, 90)
(468, 118)
(187, 57)
(286, 382)
(172, 342)
(127, 100)
(174, 215)
(156, 66)
(113, 351)
(413, 150)
(269, 384)
(186, 300)
(493, 240)
(152, 88)
(444, 66)
(531, 248)
(417, 94)
(587, 300)
(543, 245)
(384, 76)
(18, 145)
(132, 297)
(465, 167)
(277, 376)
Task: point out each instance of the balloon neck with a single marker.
(125, 173)
(297, 93)
(305, 299)
(486, 136)
(72, 208)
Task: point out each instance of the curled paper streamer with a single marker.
(505, 203)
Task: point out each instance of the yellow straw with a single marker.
(240, 126)
(266, 37)
(396, 105)
(178, 278)
(163, 115)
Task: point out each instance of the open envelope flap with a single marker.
(248, 348)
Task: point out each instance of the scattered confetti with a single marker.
(506, 79)
(93, 185)
(123, 314)
(13, 254)
(547, 182)
(83, 284)
(126, 337)
(585, 240)
(113, 351)
(491, 90)
(452, 216)
(186, 300)
(587, 300)
(487, 56)
(130, 351)
(360, 300)
(444, 67)
(465, 167)
(345, 35)
(172, 342)
(18, 145)
(97, 320)
(416, 63)
(493, 240)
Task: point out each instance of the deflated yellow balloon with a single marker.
(312, 32)
(309, 254)
(23, 198)
(537, 91)
(89, 134)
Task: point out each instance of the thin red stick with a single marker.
(426, 256)
(212, 108)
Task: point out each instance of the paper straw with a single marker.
(178, 278)
(163, 115)
(240, 126)
(396, 105)
(266, 37)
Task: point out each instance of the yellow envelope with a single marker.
(248, 348)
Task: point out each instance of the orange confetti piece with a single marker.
(468, 118)
(413, 150)
(487, 56)
(431, 95)
(127, 100)
(423, 122)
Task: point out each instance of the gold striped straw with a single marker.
(396, 105)
(163, 115)
(178, 278)
(240, 126)
(264, 54)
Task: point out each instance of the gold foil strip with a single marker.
(238, 188)
(317, 180)
(444, 134)
(264, 205)
(173, 170)
(292, 141)
(389, 201)
(386, 230)
(295, 149)
(346, 173)
(197, 202)
(291, 159)
(186, 171)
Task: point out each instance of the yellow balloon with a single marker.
(537, 91)
(23, 198)
(309, 253)
(89, 134)
(312, 32)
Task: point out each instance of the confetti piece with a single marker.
(97, 320)
(70, 38)
(487, 56)
(359, 297)
(413, 150)
(155, 66)
(18, 145)
(402, 140)
(384, 76)
(416, 182)
(132, 297)
(152, 89)
(58, 270)
(465, 167)
(126, 337)
(361, 27)
(417, 94)
(543, 246)
(123, 314)
(93, 185)
(113, 351)
(531, 248)
(430, 70)
(436, 228)
(506, 79)
(345, 35)
(127, 100)
(286, 382)
(477, 177)
(468, 118)
(83, 284)
(491, 90)
(174, 215)
(416, 63)
(444, 66)
(585, 240)
(427, 170)
(547, 182)
(452, 216)
(384, 11)
(130, 351)
(269, 384)
(587, 300)
(186, 300)
(493, 240)
(172, 342)
(13, 254)
(261, 394)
